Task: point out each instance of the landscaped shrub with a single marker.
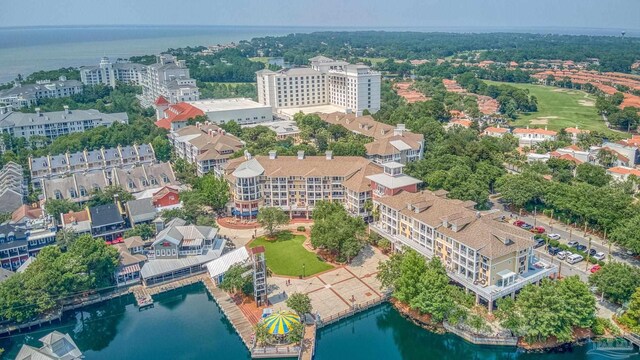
(301, 228)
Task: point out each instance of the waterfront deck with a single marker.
(143, 298)
(233, 313)
(308, 343)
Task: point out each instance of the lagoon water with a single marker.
(187, 324)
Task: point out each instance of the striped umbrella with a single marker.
(280, 323)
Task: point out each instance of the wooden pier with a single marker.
(308, 343)
(232, 312)
(143, 298)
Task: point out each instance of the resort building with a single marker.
(242, 111)
(573, 153)
(181, 250)
(218, 267)
(626, 154)
(530, 137)
(56, 166)
(344, 86)
(108, 73)
(623, 173)
(25, 95)
(495, 131)
(481, 252)
(55, 123)
(205, 145)
(295, 183)
(388, 143)
(13, 188)
(169, 78)
(55, 346)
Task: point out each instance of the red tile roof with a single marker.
(492, 129)
(177, 113)
(26, 211)
(161, 101)
(573, 130)
(624, 171)
(535, 131)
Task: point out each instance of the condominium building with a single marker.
(108, 73)
(389, 143)
(481, 252)
(219, 111)
(169, 78)
(349, 87)
(13, 188)
(296, 183)
(55, 123)
(205, 145)
(56, 166)
(24, 95)
(18, 242)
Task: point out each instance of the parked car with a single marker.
(553, 251)
(599, 256)
(526, 226)
(592, 252)
(518, 223)
(581, 247)
(554, 236)
(573, 243)
(539, 242)
(595, 268)
(574, 258)
(538, 230)
(564, 254)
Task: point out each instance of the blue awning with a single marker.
(237, 212)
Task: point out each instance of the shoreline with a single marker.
(423, 321)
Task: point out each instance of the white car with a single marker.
(599, 256)
(564, 254)
(554, 236)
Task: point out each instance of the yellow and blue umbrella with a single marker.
(281, 322)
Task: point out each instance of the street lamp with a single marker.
(303, 272)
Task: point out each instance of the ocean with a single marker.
(24, 50)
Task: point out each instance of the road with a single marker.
(568, 234)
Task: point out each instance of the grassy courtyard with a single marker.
(559, 108)
(286, 256)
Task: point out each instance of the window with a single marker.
(58, 195)
(165, 178)
(153, 180)
(132, 185)
(144, 182)
(83, 191)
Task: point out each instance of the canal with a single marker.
(187, 324)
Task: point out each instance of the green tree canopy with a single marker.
(272, 218)
(617, 281)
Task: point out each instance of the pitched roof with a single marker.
(161, 101)
(575, 130)
(26, 211)
(493, 129)
(179, 112)
(343, 166)
(458, 220)
(103, 215)
(623, 170)
(141, 210)
(535, 131)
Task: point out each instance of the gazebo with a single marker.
(279, 324)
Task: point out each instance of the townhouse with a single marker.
(56, 166)
(19, 242)
(480, 251)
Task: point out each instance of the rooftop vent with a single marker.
(300, 155)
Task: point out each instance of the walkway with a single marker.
(308, 342)
(232, 312)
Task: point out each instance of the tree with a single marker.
(520, 190)
(65, 238)
(55, 207)
(593, 174)
(98, 259)
(234, 279)
(271, 219)
(296, 334)
(213, 190)
(300, 303)
(631, 317)
(433, 295)
(617, 281)
(336, 231)
(606, 158)
(626, 234)
(145, 231)
(162, 148)
(108, 196)
(408, 285)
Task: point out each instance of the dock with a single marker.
(232, 312)
(308, 342)
(143, 298)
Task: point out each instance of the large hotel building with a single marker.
(349, 87)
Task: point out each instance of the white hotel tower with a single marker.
(353, 88)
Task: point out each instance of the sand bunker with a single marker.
(539, 122)
(589, 103)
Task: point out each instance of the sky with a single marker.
(615, 14)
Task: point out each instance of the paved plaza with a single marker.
(336, 290)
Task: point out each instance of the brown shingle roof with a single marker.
(283, 166)
(482, 232)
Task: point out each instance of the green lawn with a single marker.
(374, 60)
(262, 59)
(286, 255)
(560, 108)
